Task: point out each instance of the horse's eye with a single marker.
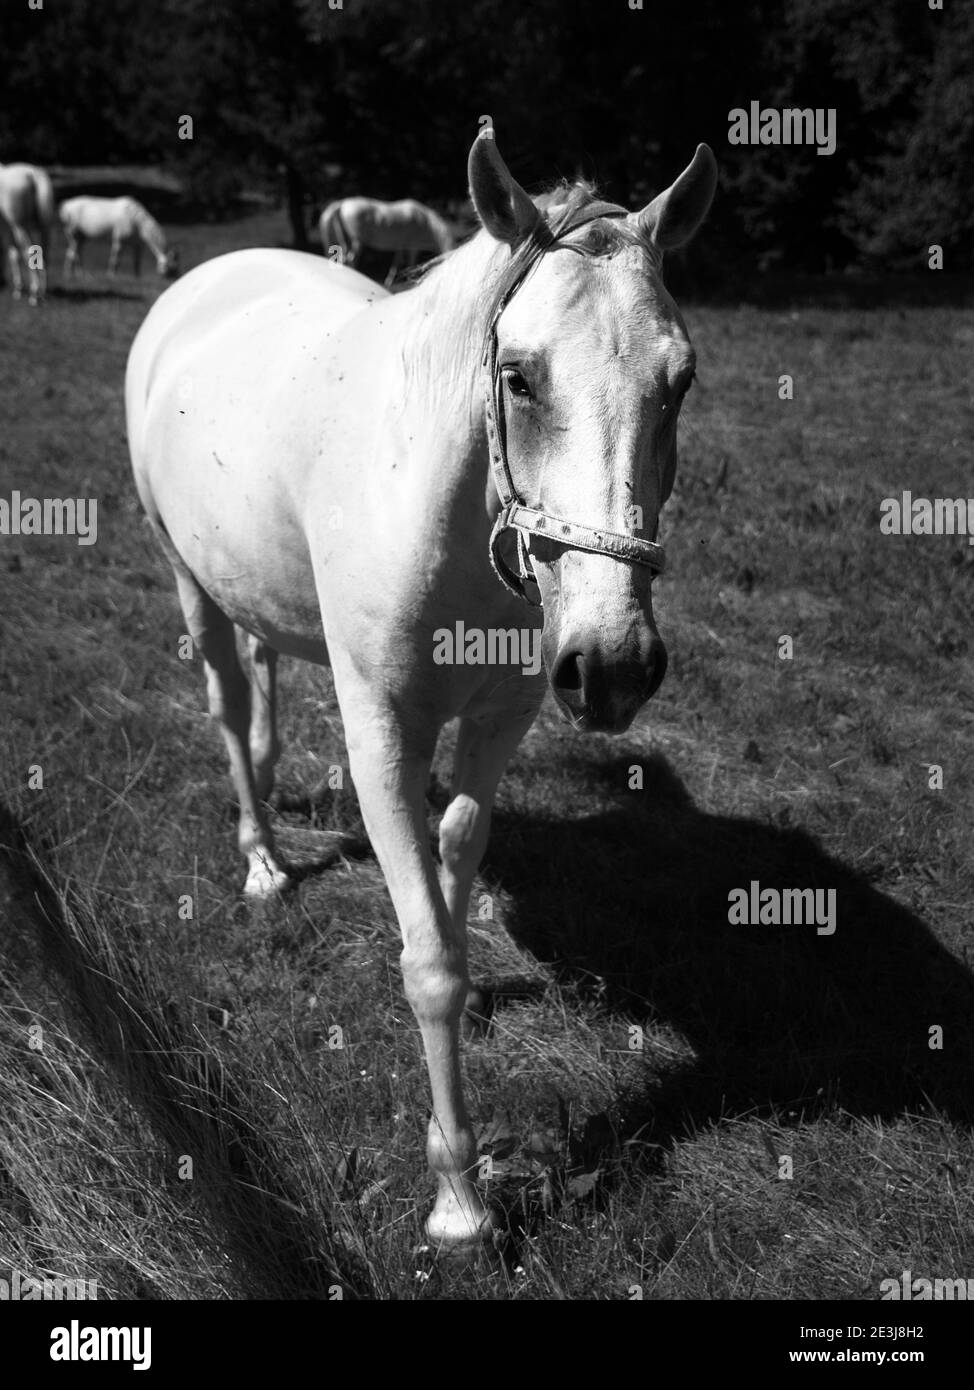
(670, 412)
(516, 383)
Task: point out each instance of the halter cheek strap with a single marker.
(514, 515)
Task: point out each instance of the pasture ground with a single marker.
(658, 1167)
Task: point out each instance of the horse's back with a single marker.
(93, 216)
(245, 300)
(418, 225)
(225, 391)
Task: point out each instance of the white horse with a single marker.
(353, 475)
(405, 228)
(124, 220)
(26, 211)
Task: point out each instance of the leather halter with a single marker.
(515, 514)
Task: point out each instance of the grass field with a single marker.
(648, 1066)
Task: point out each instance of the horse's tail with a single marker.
(44, 200)
(332, 230)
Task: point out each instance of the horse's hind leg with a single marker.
(229, 696)
(42, 269)
(72, 254)
(265, 748)
(16, 276)
(26, 251)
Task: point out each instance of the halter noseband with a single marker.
(514, 514)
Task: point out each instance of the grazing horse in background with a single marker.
(405, 228)
(26, 209)
(124, 220)
(497, 443)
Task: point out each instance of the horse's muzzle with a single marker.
(600, 695)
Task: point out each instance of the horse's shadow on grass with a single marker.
(633, 904)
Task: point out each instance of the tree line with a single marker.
(314, 99)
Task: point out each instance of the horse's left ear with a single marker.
(675, 214)
(501, 203)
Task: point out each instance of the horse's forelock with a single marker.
(469, 295)
(561, 204)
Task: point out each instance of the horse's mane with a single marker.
(150, 229)
(462, 289)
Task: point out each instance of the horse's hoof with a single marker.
(484, 1247)
(266, 881)
(460, 1259)
(452, 1235)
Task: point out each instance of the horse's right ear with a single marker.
(501, 203)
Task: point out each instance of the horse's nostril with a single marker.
(569, 673)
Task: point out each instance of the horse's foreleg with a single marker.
(390, 779)
(265, 748)
(484, 748)
(393, 271)
(113, 255)
(229, 697)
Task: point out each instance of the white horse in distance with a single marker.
(358, 476)
(126, 221)
(26, 217)
(405, 227)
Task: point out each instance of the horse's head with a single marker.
(591, 364)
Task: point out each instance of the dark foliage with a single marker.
(305, 102)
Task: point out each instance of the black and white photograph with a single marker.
(487, 667)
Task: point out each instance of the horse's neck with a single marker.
(150, 232)
(440, 230)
